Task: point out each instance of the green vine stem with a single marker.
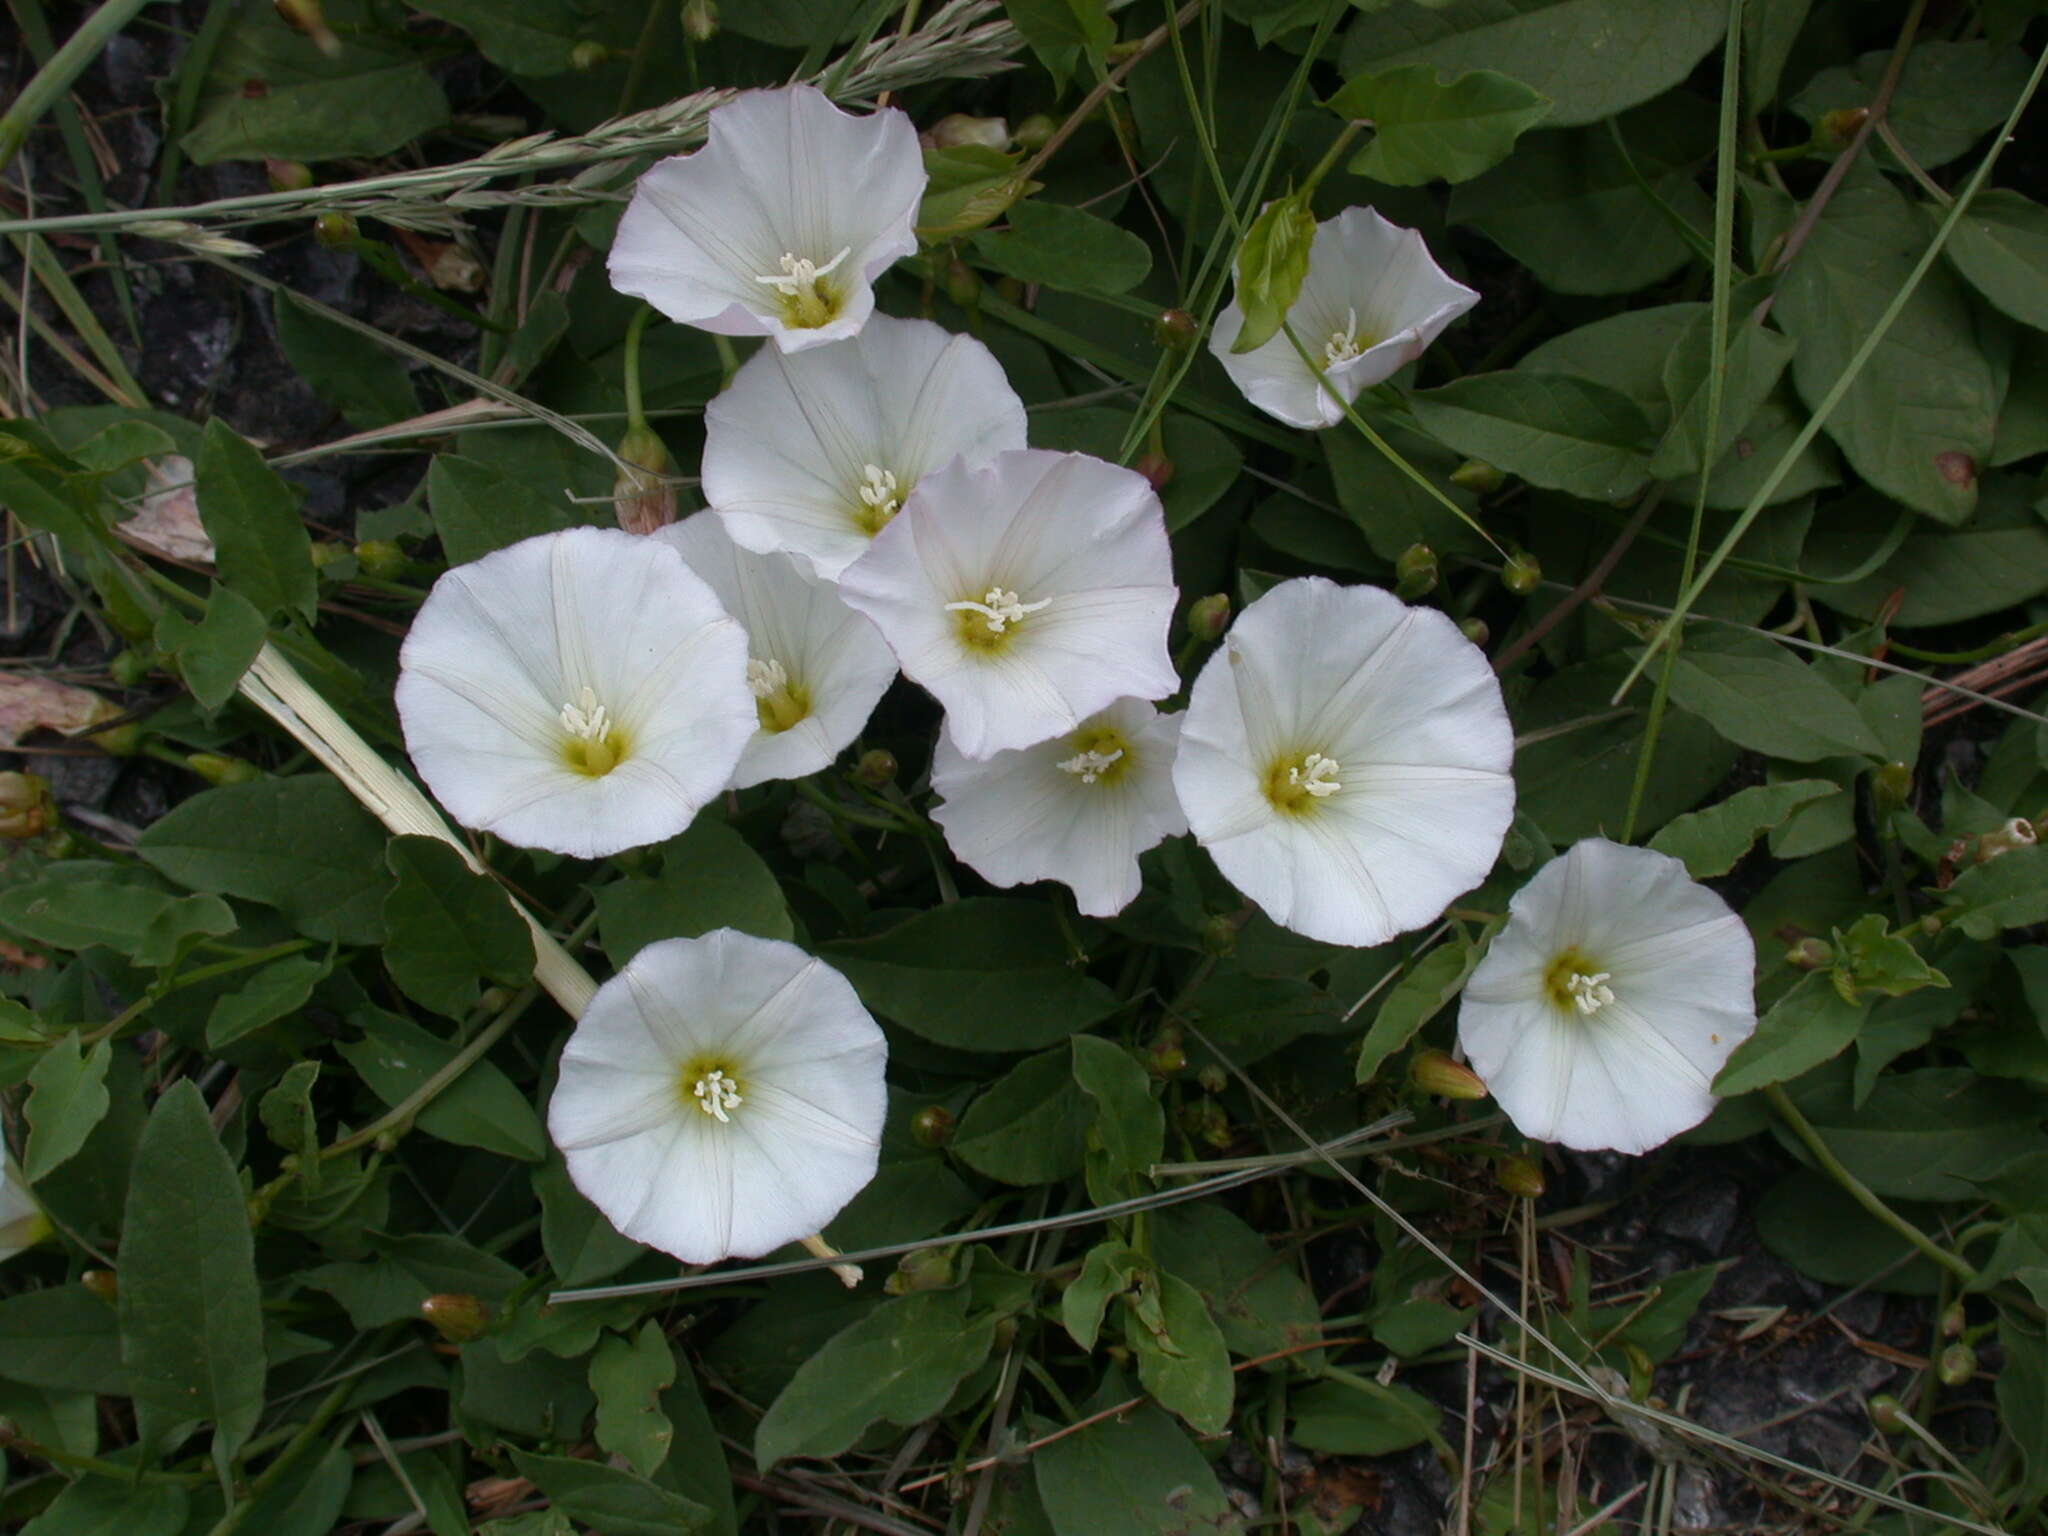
(55, 78)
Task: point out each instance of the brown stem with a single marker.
(1146, 45)
(1512, 651)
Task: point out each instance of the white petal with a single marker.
(502, 644)
(22, 1223)
(1363, 272)
(1085, 538)
(1636, 1071)
(833, 657)
(1408, 709)
(803, 1140)
(783, 172)
(786, 446)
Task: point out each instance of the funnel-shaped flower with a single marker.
(813, 453)
(815, 667)
(22, 1222)
(1026, 595)
(1605, 1007)
(1345, 761)
(779, 224)
(581, 692)
(1078, 809)
(1372, 301)
(721, 1096)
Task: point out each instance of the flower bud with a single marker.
(1204, 1121)
(1213, 1079)
(1478, 476)
(336, 230)
(1438, 1073)
(1033, 132)
(114, 740)
(1838, 127)
(1891, 787)
(1521, 575)
(962, 283)
(457, 1317)
(1165, 1058)
(1886, 1414)
(288, 175)
(381, 558)
(808, 831)
(25, 806)
(700, 20)
(1219, 935)
(1208, 617)
(1415, 572)
(921, 1269)
(1810, 954)
(2017, 833)
(306, 16)
(642, 499)
(876, 769)
(587, 55)
(932, 1126)
(219, 768)
(1954, 1320)
(1155, 467)
(1476, 631)
(956, 130)
(1175, 330)
(325, 552)
(130, 667)
(103, 1284)
(1519, 1176)
(1958, 1363)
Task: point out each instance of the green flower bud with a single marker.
(26, 809)
(932, 1126)
(325, 552)
(1891, 787)
(1175, 329)
(1219, 935)
(288, 175)
(642, 498)
(1886, 1413)
(1415, 573)
(1437, 1072)
(1476, 631)
(1521, 575)
(1213, 1078)
(130, 667)
(957, 130)
(1033, 132)
(381, 558)
(921, 1269)
(1155, 467)
(1478, 476)
(218, 768)
(876, 769)
(587, 55)
(457, 1317)
(1519, 1176)
(336, 230)
(700, 20)
(1811, 954)
(961, 282)
(1208, 617)
(1957, 1364)
(102, 1283)
(307, 16)
(1954, 1320)
(1838, 127)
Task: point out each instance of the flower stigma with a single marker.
(985, 621)
(1295, 784)
(1574, 984)
(880, 496)
(717, 1095)
(806, 303)
(780, 702)
(595, 745)
(1346, 344)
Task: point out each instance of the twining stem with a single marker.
(636, 417)
(285, 1459)
(1860, 1192)
(54, 79)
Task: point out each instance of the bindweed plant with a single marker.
(1027, 767)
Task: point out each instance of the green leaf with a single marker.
(1713, 841)
(301, 844)
(480, 1108)
(2009, 891)
(1368, 1419)
(63, 1337)
(984, 974)
(1998, 560)
(1066, 248)
(1807, 1026)
(367, 383)
(191, 1322)
(1413, 1001)
(1870, 958)
(99, 1507)
(1553, 430)
(214, 653)
(1026, 1127)
(1918, 421)
(1060, 32)
(1948, 97)
(68, 909)
(1929, 1134)
(1259, 1301)
(1110, 1268)
(1430, 128)
(1756, 359)
(968, 188)
(1807, 1220)
(67, 1098)
(1271, 264)
(627, 1377)
(610, 1502)
(1184, 1365)
(478, 508)
(273, 992)
(900, 1363)
(2023, 1403)
(1137, 1475)
(287, 1114)
(448, 926)
(1128, 1121)
(2001, 246)
(1764, 700)
(252, 516)
(710, 878)
(1591, 57)
(581, 1245)
(535, 37)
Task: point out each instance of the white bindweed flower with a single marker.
(580, 691)
(813, 453)
(1345, 761)
(815, 667)
(779, 224)
(1078, 809)
(1026, 594)
(1372, 301)
(721, 1096)
(1605, 1007)
(22, 1222)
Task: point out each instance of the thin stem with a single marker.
(54, 79)
(636, 418)
(1330, 157)
(285, 1459)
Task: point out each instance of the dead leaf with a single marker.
(168, 523)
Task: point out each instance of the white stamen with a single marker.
(765, 679)
(799, 276)
(1090, 766)
(586, 719)
(1316, 776)
(878, 489)
(1589, 992)
(1343, 345)
(717, 1095)
(999, 607)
